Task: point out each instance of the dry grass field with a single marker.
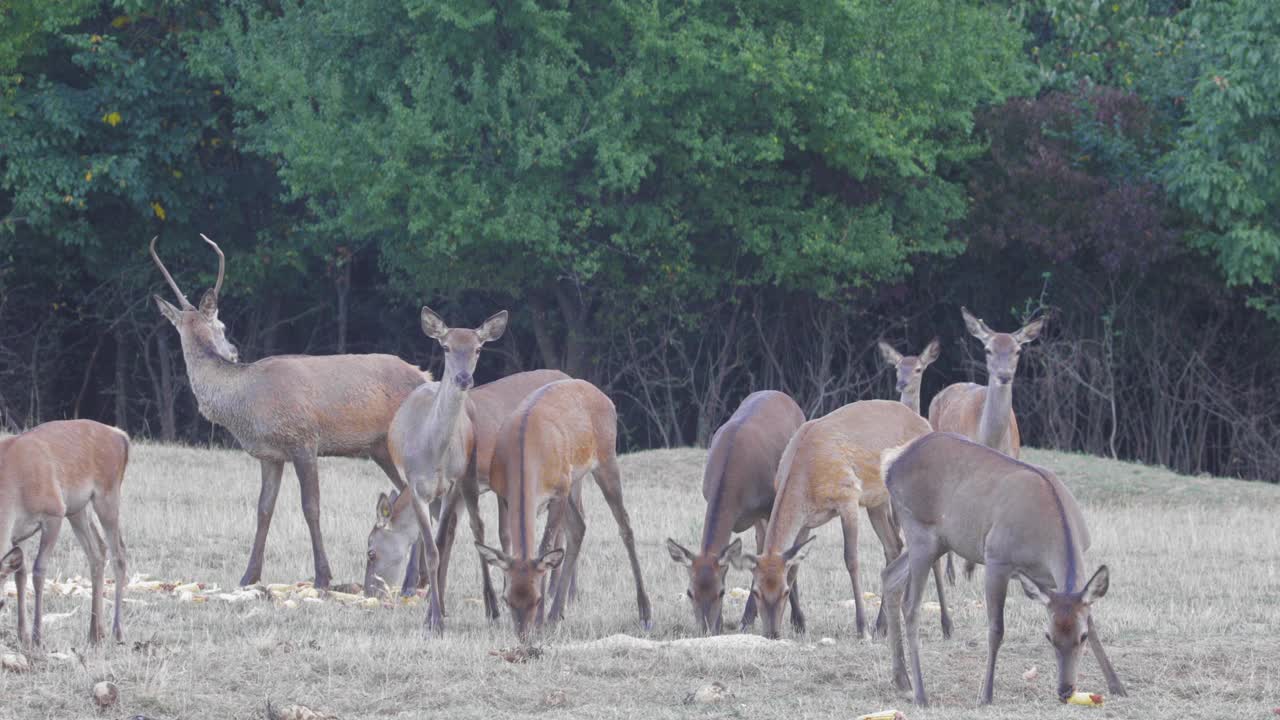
(1192, 620)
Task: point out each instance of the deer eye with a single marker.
(689, 593)
(722, 592)
(1046, 637)
(446, 347)
(1083, 637)
(372, 553)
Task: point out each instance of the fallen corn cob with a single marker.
(1081, 698)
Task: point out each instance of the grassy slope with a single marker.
(1192, 621)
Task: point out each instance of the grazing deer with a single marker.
(55, 471)
(830, 468)
(396, 529)
(951, 494)
(558, 434)
(738, 486)
(288, 409)
(429, 440)
(910, 370)
(985, 414)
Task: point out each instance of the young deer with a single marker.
(396, 530)
(55, 471)
(910, 370)
(558, 434)
(985, 414)
(288, 409)
(951, 494)
(430, 440)
(830, 468)
(738, 487)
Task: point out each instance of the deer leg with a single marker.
(446, 531)
(575, 497)
(95, 550)
(504, 528)
(550, 535)
(793, 582)
(886, 528)
(918, 574)
(610, 481)
(749, 612)
(272, 470)
(849, 524)
(997, 586)
(576, 529)
(20, 581)
(381, 455)
(1114, 686)
(49, 538)
(434, 623)
(107, 509)
(308, 472)
(951, 568)
(894, 581)
(942, 599)
(470, 489)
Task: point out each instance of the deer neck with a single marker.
(446, 413)
(911, 398)
(216, 382)
(994, 424)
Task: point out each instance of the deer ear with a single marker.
(493, 328)
(931, 352)
(12, 561)
(678, 553)
(494, 557)
(1034, 590)
(550, 561)
(171, 313)
(433, 325)
(891, 356)
(209, 304)
(1096, 587)
(729, 555)
(797, 552)
(384, 506)
(745, 561)
(1029, 332)
(975, 326)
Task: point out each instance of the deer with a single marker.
(830, 468)
(737, 484)
(428, 440)
(53, 471)
(557, 435)
(985, 414)
(288, 408)
(1016, 519)
(396, 530)
(910, 370)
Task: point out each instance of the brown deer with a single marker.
(559, 433)
(396, 530)
(985, 414)
(429, 440)
(910, 370)
(288, 409)
(951, 494)
(738, 486)
(830, 468)
(55, 471)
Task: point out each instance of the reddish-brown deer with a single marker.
(738, 486)
(288, 409)
(1019, 520)
(830, 468)
(909, 370)
(558, 434)
(396, 530)
(53, 471)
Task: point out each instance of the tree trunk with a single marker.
(122, 396)
(168, 396)
(344, 288)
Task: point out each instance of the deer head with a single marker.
(910, 368)
(387, 550)
(706, 581)
(461, 346)
(1068, 623)
(523, 591)
(771, 588)
(10, 564)
(1002, 348)
(199, 328)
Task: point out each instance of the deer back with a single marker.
(491, 404)
(56, 468)
(958, 409)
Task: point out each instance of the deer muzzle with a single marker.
(464, 380)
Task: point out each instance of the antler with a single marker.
(186, 304)
(222, 264)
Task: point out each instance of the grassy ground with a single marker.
(1192, 620)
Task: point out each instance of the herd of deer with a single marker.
(948, 484)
